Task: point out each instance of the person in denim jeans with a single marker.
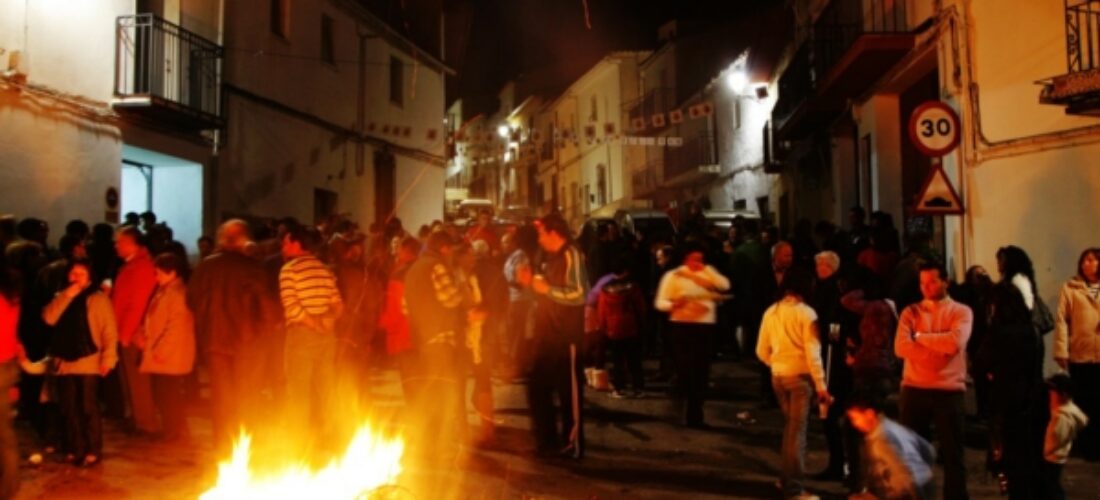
(312, 303)
(789, 345)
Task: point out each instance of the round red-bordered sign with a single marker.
(934, 128)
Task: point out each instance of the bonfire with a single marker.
(370, 466)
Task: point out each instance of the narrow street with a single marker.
(635, 451)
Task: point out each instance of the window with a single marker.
(328, 51)
(864, 173)
(397, 81)
(768, 151)
(740, 204)
(763, 208)
(594, 114)
(737, 113)
(280, 18)
(601, 185)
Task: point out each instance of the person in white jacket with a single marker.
(789, 344)
(690, 294)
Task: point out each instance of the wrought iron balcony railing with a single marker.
(158, 63)
(1082, 35)
(698, 151)
(844, 21)
(658, 100)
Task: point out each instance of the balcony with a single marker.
(691, 163)
(658, 100)
(166, 74)
(1079, 89)
(645, 181)
(853, 44)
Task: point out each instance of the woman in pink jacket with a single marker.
(169, 350)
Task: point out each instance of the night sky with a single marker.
(493, 41)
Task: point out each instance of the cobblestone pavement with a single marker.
(636, 450)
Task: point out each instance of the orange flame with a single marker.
(370, 463)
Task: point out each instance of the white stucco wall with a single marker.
(739, 123)
(1040, 200)
(272, 161)
(54, 168)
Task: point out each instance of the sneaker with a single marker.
(617, 394)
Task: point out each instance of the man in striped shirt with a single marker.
(311, 305)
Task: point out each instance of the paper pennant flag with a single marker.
(536, 135)
(370, 127)
(658, 120)
(385, 129)
(432, 134)
(638, 124)
(675, 141)
(661, 141)
(676, 116)
(701, 110)
(609, 129)
(590, 132)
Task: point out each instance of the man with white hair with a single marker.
(836, 326)
(234, 308)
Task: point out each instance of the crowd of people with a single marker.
(114, 322)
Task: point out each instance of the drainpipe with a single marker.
(361, 102)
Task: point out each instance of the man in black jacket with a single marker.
(560, 289)
(235, 309)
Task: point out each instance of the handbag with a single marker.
(1041, 317)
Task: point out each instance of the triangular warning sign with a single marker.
(938, 196)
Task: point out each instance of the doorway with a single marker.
(169, 186)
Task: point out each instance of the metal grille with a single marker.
(155, 58)
(1082, 35)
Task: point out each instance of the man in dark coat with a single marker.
(234, 308)
(560, 289)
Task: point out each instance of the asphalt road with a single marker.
(636, 450)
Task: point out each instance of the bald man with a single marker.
(235, 309)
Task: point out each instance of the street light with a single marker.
(737, 80)
(504, 131)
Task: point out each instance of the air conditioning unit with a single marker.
(17, 67)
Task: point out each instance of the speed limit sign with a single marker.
(934, 128)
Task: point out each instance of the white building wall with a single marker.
(53, 165)
(52, 168)
(273, 161)
(1027, 183)
(739, 122)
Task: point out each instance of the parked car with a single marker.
(724, 218)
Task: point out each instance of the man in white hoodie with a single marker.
(690, 294)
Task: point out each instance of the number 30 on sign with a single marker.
(934, 128)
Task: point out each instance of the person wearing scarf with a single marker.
(84, 347)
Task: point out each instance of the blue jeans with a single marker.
(310, 377)
(795, 395)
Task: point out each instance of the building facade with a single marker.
(1026, 97)
(109, 96)
(199, 111)
(329, 111)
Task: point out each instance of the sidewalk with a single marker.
(635, 450)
